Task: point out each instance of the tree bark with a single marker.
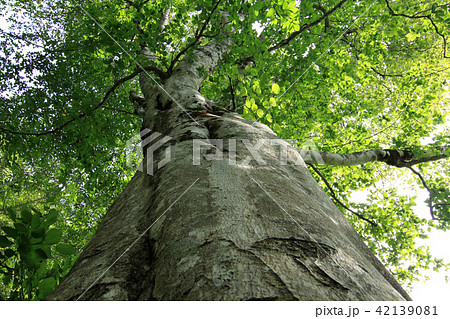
(398, 158)
(249, 230)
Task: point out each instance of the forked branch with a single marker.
(421, 16)
(198, 36)
(431, 203)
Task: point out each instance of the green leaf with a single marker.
(65, 249)
(20, 227)
(260, 113)
(5, 242)
(411, 36)
(36, 241)
(37, 233)
(36, 220)
(53, 236)
(26, 215)
(277, 127)
(46, 286)
(42, 271)
(11, 213)
(10, 232)
(41, 253)
(275, 88)
(51, 217)
(46, 249)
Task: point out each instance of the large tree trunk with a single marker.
(258, 230)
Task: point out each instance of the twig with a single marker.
(385, 75)
(324, 11)
(12, 35)
(333, 194)
(404, 15)
(442, 36)
(118, 110)
(428, 17)
(305, 27)
(427, 159)
(430, 195)
(232, 95)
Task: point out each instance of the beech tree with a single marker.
(258, 120)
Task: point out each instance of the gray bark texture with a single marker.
(253, 230)
(391, 157)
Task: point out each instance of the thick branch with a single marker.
(357, 158)
(398, 158)
(193, 68)
(427, 159)
(164, 20)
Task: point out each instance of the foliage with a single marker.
(32, 254)
(343, 76)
